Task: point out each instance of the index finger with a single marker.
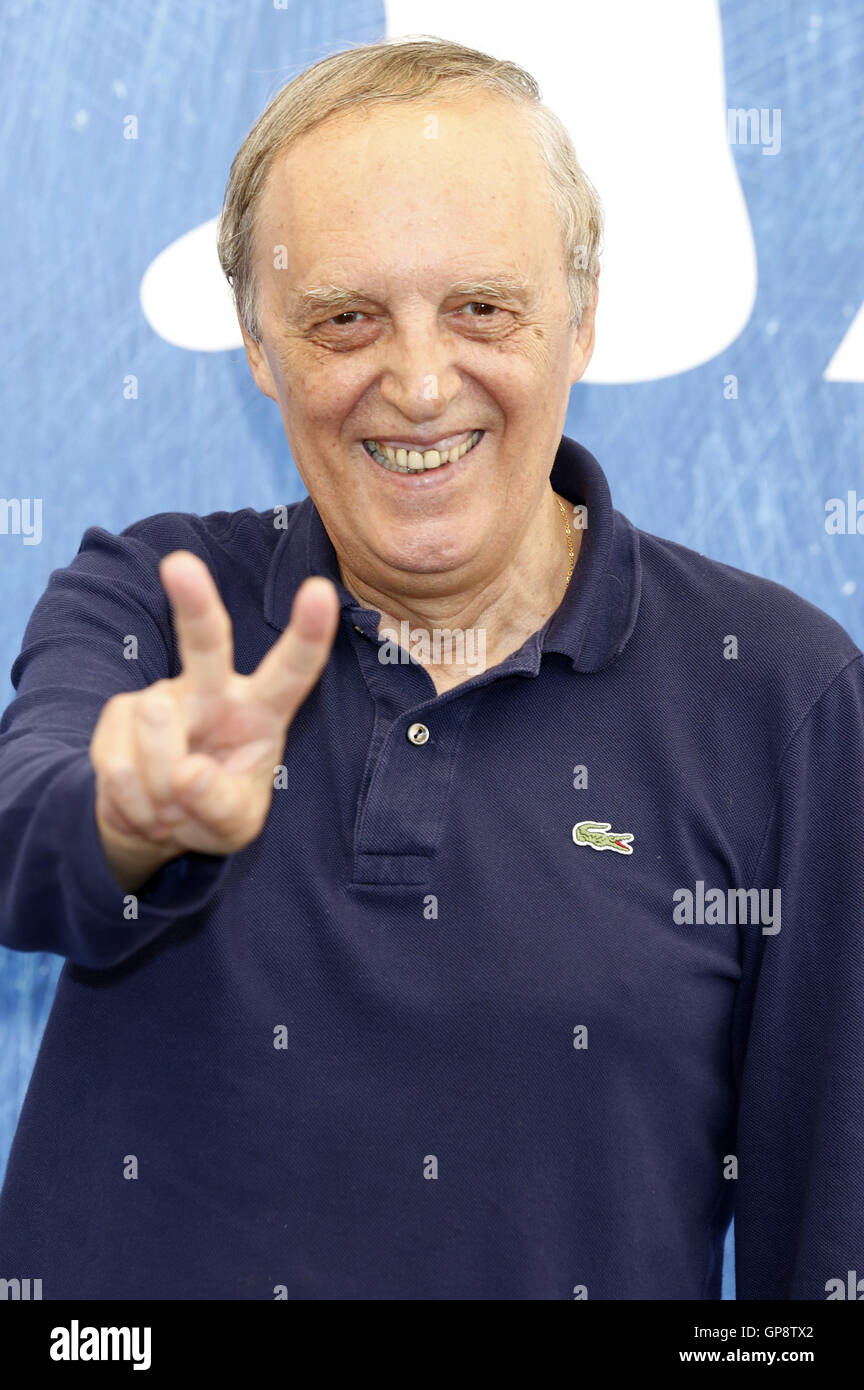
(204, 634)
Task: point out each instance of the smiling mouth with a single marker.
(407, 460)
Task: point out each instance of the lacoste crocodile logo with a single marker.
(596, 834)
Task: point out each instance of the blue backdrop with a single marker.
(735, 456)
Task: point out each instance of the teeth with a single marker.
(413, 461)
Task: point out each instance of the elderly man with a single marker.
(497, 968)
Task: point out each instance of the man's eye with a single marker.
(481, 304)
(343, 318)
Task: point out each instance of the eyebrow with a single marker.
(332, 299)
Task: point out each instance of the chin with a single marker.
(415, 558)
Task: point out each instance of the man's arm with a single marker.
(799, 1214)
(59, 889)
(179, 766)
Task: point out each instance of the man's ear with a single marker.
(583, 342)
(259, 365)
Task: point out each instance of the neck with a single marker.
(494, 617)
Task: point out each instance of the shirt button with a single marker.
(417, 733)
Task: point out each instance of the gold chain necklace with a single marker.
(569, 544)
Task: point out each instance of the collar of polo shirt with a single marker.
(596, 617)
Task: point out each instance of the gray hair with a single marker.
(403, 70)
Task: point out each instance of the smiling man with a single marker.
(389, 976)
(416, 330)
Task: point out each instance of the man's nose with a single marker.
(420, 376)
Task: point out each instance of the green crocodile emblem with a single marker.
(596, 834)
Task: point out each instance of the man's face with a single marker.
(413, 209)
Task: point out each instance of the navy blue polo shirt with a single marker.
(520, 1011)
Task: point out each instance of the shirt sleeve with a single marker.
(57, 892)
(799, 1063)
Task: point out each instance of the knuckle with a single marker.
(155, 706)
(119, 774)
(160, 690)
(221, 818)
(233, 822)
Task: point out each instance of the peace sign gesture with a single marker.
(187, 763)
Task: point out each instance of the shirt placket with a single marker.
(409, 769)
(412, 758)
